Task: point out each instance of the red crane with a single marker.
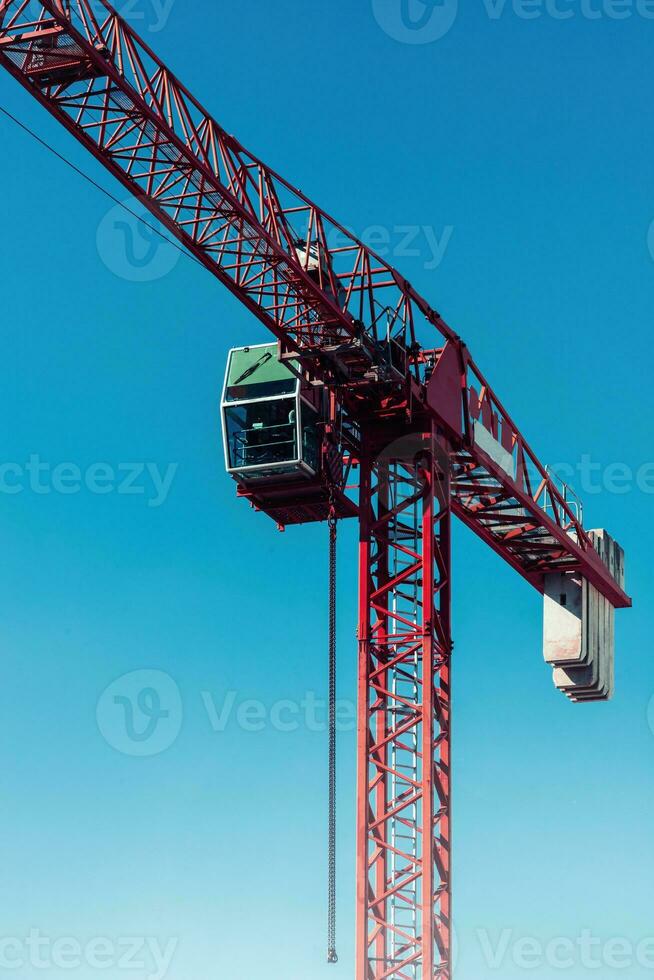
(424, 430)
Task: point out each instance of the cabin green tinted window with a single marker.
(255, 372)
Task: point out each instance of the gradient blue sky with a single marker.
(530, 139)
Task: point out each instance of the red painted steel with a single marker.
(354, 324)
(404, 878)
(257, 234)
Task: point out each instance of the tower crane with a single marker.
(344, 415)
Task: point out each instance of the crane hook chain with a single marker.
(332, 956)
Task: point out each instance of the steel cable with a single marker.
(332, 956)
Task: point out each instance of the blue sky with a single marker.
(522, 146)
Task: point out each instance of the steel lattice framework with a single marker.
(354, 323)
(255, 232)
(404, 726)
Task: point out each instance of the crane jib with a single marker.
(258, 234)
(425, 431)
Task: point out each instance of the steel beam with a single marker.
(403, 835)
(351, 319)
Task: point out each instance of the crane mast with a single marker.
(427, 433)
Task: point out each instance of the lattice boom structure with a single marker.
(428, 433)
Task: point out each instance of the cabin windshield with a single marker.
(261, 433)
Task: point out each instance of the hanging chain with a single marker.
(332, 956)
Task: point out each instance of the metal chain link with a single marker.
(332, 956)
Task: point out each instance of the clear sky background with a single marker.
(526, 145)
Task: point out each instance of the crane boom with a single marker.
(352, 323)
(257, 233)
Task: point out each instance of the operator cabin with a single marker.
(274, 439)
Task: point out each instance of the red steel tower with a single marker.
(423, 429)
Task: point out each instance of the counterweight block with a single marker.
(579, 627)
